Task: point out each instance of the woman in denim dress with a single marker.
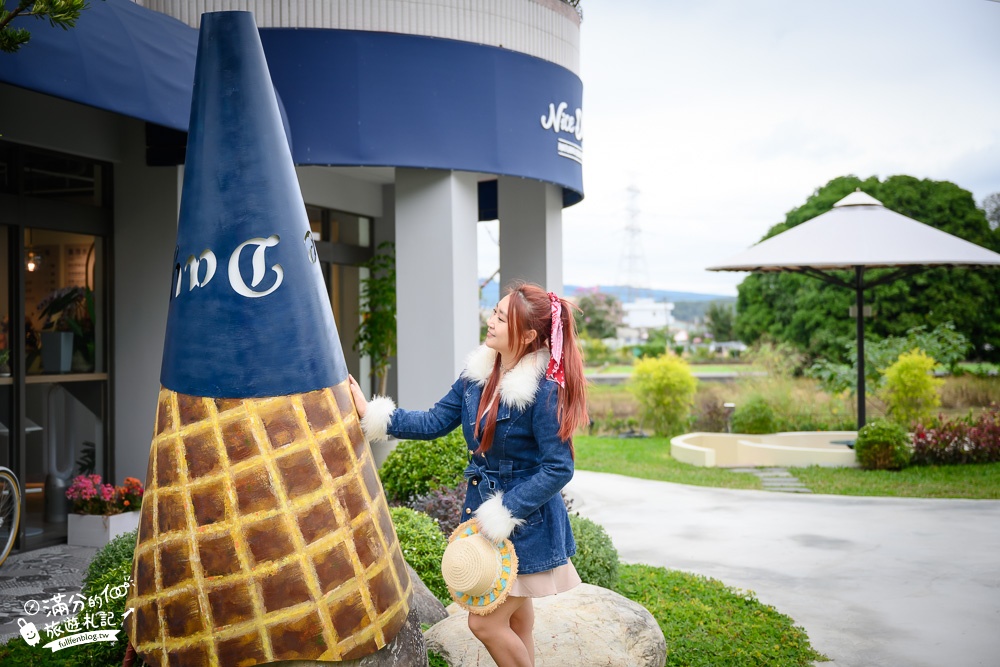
(519, 400)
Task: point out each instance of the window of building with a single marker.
(54, 276)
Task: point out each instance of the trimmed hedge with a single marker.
(416, 467)
(882, 445)
(423, 544)
(596, 558)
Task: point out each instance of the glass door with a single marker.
(54, 278)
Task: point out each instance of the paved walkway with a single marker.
(39, 575)
(775, 479)
(875, 582)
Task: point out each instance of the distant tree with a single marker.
(62, 13)
(720, 319)
(602, 314)
(992, 207)
(813, 315)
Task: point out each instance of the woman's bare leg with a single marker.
(495, 632)
(522, 622)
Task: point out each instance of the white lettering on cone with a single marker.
(236, 281)
(194, 266)
(311, 247)
(236, 278)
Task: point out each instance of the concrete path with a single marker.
(875, 582)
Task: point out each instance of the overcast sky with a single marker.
(726, 114)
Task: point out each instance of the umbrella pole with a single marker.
(859, 286)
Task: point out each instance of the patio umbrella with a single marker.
(859, 233)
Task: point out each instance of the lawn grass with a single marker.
(649, 458)
(979, 367)
(709, 624)
(695, 368)
(979, 481)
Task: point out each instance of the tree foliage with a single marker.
(813, 315)
(61, 13)
(720, 319)
(376, 336)
(943, 343)
(601, 314)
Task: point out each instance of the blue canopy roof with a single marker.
(120, 57)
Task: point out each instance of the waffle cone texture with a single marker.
(264, 535)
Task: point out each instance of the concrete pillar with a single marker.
(530, 232)
(436, 289)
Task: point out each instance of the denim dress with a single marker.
(527, 461)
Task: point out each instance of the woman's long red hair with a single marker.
(529, 309)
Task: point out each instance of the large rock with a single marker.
(406, 650)
(429, 609)
(588, 625)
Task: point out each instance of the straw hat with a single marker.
(478, 573)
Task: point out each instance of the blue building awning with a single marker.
(120, 57)
(353, 98)
(366, 98)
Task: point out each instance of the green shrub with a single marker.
(596, 558)
(709, 624)
(422, 543)
(882, 445)
(415, 467)
(911, 390)
(755, 416)
(595, 351)
(110, 556)
(665, 388)
(444, 505)
(110, 568)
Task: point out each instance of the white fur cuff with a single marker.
(496, 523)
(376, 419)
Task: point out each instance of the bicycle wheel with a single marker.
(10, 512)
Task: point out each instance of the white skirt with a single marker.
(550, 582)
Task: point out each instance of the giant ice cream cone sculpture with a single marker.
(265, 534)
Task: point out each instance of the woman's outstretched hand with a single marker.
(360, 402)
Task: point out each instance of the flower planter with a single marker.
(92, 530)
(57, 351)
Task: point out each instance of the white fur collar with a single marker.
(519, 385)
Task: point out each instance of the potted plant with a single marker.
(67, 329)
(4, 362)
(102, 511)
(377, 332)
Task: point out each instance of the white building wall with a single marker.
(546, 29)
(147, 201)
(648, 314)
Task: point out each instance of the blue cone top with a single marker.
(249, 312)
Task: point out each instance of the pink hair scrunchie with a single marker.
(555, 370)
